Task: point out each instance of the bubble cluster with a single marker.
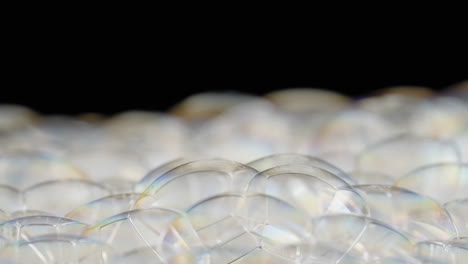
(297, 176)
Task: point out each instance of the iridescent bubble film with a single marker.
(296, 176)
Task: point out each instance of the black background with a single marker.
(109, 75)
(103, 61)
(117, 89)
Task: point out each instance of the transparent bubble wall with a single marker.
(297, 176)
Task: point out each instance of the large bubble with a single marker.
(458, 211)
(57, 197)
(399, 155)
(269, 162)
(96, 211)
(255, 228)
(25, 169)
(189, 183)
(56, 249)
(356, 239)
(419, 217)
(443, 182)
(165, 232)
(313, 190)
(29, 227)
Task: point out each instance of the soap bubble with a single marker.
(57, 197)
(442, 182)
(25, 169)
(311, 189)
(10, 199)
(119, 186)
(345, 238)
(411, 91)
(208, 105)
(155, 137)
(302, 130)
(308, 100)
(100, 209)
(111, 162)
(458, 211)
(256, 228)
(442, 117)
(56, 249)
(157, 172)
(98, 153)
(189, 183)
(26, 228)
(395, 108)
(442, 252)
(166, 232)
(271, 161)
(459, 90)
(419, 217)
(69, 132)
(406, 152)
(341, 159)
(222, 232)
(29, 140)
(26, 213)
(13, 117)
(351, 131)
(243, 133)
